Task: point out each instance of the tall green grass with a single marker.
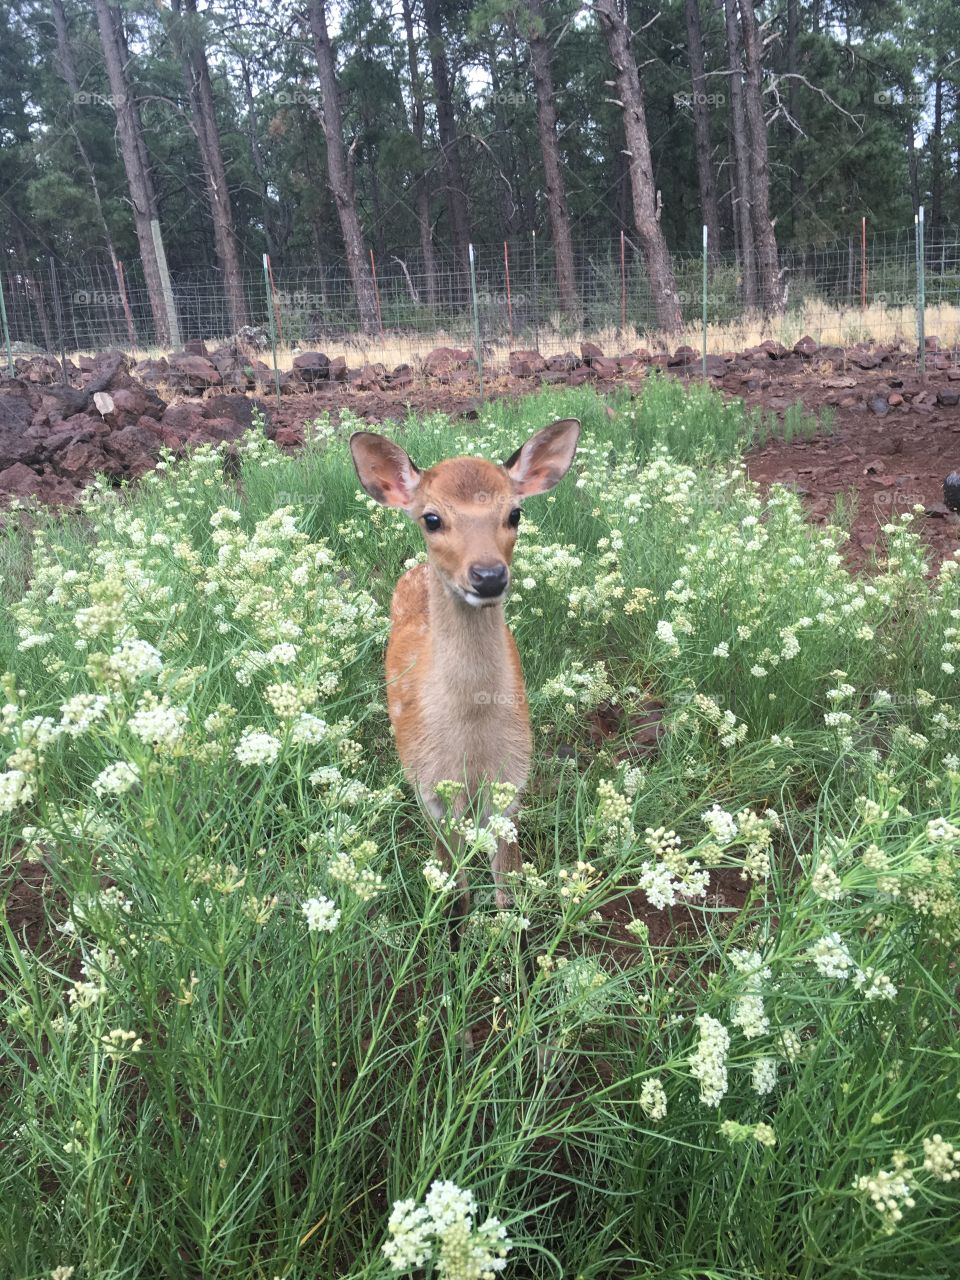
(281, 1087)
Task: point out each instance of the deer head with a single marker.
(468, 508)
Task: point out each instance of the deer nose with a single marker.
(488, 580)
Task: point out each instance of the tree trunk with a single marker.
(121, 35)
(912, 167)
(196, 73)
(741, 151)
(337, 170)
(936, 159)
(506, 199)
(68, 73)
(422, 189)
(701, 127)
(652, 243)
(793, 107)
(552, 170)
(768, 258)
(447, 129)
(133, 151)
(256, 156)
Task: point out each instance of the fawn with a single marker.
(455, 690)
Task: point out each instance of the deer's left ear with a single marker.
(545, 459)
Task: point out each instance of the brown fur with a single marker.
(455, 690)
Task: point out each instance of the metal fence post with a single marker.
(167, 289)
(536, 297)
(273, 324)
(6, 329)
(476, 317)
(376, 291)
(623, 283)
(506, 267)
(921, 319)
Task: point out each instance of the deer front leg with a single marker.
(503, 864)
(449, 851)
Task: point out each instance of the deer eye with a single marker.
(513, 519)
(431, 521)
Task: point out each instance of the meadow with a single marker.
(235, 1045)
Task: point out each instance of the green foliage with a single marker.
(861, 95)
(231, 1021)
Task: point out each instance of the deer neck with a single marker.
(470, 657)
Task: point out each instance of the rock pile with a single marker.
(54, 437)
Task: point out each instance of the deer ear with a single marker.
(545, 459)
(384, 469)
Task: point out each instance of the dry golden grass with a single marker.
(825, 324)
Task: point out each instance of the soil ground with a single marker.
(880, 459)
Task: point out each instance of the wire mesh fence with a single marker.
(840, 292)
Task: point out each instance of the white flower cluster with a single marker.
(729, 731)
(134, 660)
(708, 1062)
(763, 1076)
(825, 882)
(119, 1044)
(721, 824)
(439, 880)
(748, 1010)
(653, 1099)
(157, 723)
(79, 713)
(889, 1191)
(116, 779)
(321, 914)
(351, 869)
(832, 958)
(735, 1133)
(664, 888)
(16, 788)
(257, 748)
(579, 688)
(941, 1158)
(443, 1231)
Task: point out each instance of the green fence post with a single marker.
(6, 329)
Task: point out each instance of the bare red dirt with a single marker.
(895, 433)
